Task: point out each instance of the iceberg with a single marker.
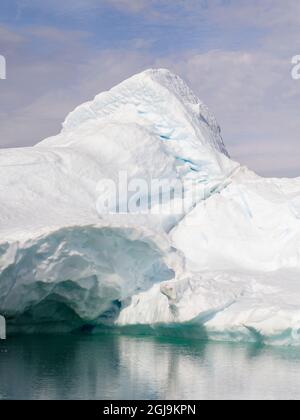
(225, 266)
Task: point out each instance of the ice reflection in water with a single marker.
(126, 367)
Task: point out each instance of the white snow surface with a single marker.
(227, 267)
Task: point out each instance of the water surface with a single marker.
(128, 367)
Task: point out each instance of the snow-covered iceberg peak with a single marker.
(163, 106)
(156, 97)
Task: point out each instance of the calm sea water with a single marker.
(128, 367)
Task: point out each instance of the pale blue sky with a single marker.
(235, 54)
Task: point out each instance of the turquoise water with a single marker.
(128, 367)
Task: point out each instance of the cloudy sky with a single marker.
(235, 54)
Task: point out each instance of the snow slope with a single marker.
(253, 224)
(228, 264)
